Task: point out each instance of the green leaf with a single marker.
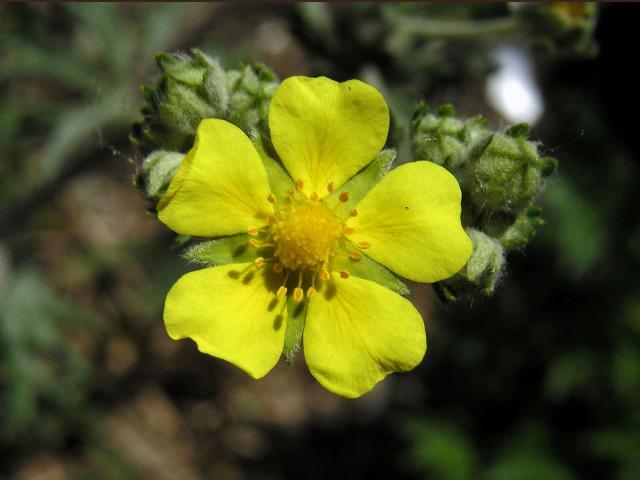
(279, 180)
(296, 319)
(370, 270)
(233, 249)
(360, 184)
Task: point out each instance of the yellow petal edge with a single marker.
(358, 332)
(412, 221)
(325, 131)
(231, 313)
(221, 186)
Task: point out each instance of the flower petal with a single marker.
(357, 332)
(325, 131)
(411, 219)
(232, 313)
(221, 186)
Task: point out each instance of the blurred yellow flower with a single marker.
(356, 331)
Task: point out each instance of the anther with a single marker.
(314, 196)
(282, 291)
(311, 292)
(364, 245)
(355, 256)
(272, 220)
(259, 262)
(348, 231)
(330, 187)
(253, 231)
(353, 212)
(344, 197)
(278, 267)
(324, 275)
(299, 184)
(271, 198)
(298, 294)
(255, 243)
(344, 274)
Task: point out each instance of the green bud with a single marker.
(506, 173)
(521, 231)
(156, 172)
(481, 273)
(500, 175)
(438, 136)
(193, 87)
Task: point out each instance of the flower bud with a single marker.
(439, 136)
(500, 175)
(506, 173)
(156, 172)
(481, 273)
(193, 87)
(520, 232)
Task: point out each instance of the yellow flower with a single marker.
(356, 331)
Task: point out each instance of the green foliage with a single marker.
(440, 450)
(560, 28)
(45, 383)
(53, 101)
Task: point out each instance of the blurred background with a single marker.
(540, 380)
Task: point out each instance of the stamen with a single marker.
(344, 197)
(355, 256)
(259, 262)
(353, 212)
(278, 267)
(364, 245)
(255, 243)
(314, 196)
(298, 294)
(271, 198)
(282, 291)
(330, 187)
(348, 231)
(272, 220)
(311, 292)
(299, 184)
(253, 231)
(344, 274)
(324, 275)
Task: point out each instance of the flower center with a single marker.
(305, 235)
(301, 238)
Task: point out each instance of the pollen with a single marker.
(282, 291)
(305, 235)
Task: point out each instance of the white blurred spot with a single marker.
(512, 89)
(272, 37)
